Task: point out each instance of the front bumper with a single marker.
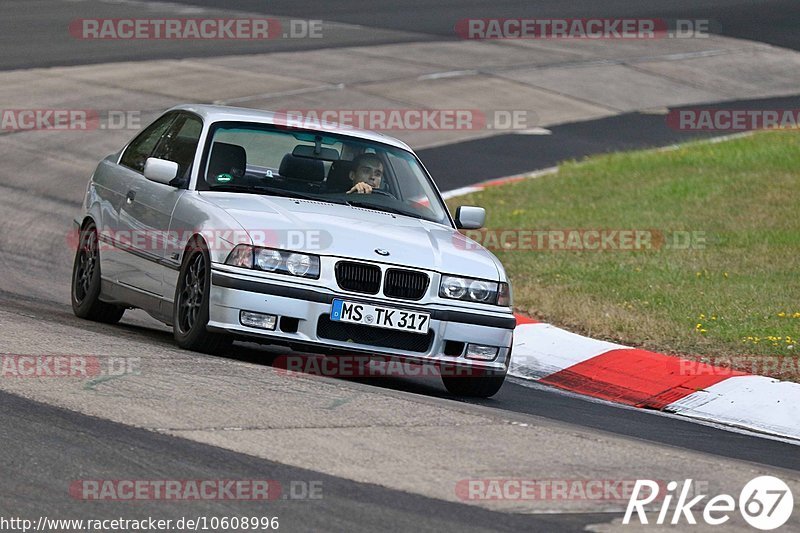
(305, 307)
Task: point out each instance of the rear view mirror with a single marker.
(160, 170)
(312, 152)
(470, 217)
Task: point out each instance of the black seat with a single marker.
(302, 168)
(226, 164)
(300, 174)
(339, 177)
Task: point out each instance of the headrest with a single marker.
(339, 177)
(302, 168)
(227, 161)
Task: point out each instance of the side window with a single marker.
(408, 183)
(142, 146)
(180, 142)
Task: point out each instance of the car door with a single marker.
(115, 178)
(147, 211)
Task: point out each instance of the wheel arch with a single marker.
(197, 242)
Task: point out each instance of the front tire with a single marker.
(86, 281)
(190, 310)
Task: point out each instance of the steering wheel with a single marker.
(384, 193)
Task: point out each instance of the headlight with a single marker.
(479, 291)
(277, 261)
(454, 288)
(268, 260)
(298, 264)
(474, 290)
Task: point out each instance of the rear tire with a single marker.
(190, 310)
(474, 386)
(86, 281)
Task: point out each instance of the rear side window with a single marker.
(142, 146)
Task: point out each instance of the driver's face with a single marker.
(370, 172)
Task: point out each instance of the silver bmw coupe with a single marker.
(231, 223)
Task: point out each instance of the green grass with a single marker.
(743, 195)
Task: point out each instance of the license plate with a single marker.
(379, 317)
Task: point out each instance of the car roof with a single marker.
(217, 113)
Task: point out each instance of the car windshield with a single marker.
(263, 159)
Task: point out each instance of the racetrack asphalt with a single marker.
(70, 447)
(47, 447)
(455, 165)
(36, 37)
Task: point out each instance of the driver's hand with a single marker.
(361, 188)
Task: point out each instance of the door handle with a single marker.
(130, 196)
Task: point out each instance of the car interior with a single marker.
(228, 166)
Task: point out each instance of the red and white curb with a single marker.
(650, 380)
(499, 181)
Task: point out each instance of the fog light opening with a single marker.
(257, 320)
(481, 352)
(453, 348)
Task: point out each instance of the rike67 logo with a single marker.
(765, 503)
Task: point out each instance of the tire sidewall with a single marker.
(192, 336)
(83, 308)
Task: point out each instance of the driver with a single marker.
(366, 174)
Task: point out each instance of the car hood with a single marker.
(354, 232)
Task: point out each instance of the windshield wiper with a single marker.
(271, 191)
(232, 187)
(384, 208)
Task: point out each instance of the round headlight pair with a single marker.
(457, 288)
(270, 260)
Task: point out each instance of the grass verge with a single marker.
(721, 277)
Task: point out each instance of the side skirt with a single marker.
(155, 306)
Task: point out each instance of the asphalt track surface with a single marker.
(771, 21)
(455, 165)
(45, 447)
(33, 32)
(72, 446)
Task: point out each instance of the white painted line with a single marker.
(292, 92)
(533, 131)
(480, 186)
(463, 191)
(447, 74)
